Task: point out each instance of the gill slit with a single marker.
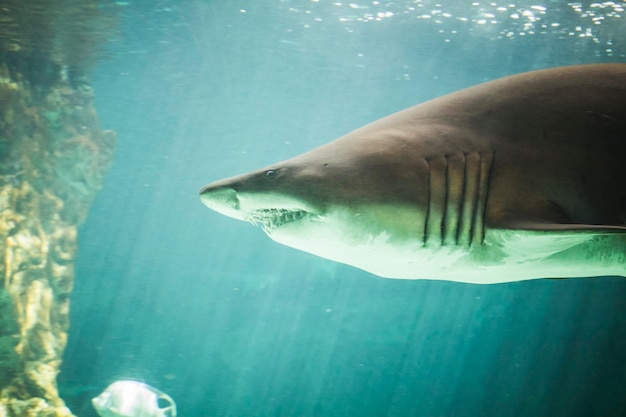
(426, 217)
(479, 200)
(475, 203)
(444, 211)
(486, 198)
(459, 221)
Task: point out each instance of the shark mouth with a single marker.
(272, 219)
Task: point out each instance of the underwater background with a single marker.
(228, 322)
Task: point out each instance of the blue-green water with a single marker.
(228, 322)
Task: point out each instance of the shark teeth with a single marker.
(271, 219)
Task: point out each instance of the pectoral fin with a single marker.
(529, 224)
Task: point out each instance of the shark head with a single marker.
(344, 207)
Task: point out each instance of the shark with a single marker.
(522, 177)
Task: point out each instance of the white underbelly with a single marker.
(505, 256)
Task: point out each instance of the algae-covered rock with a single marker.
(53, 156)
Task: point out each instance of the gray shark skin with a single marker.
(519, 178)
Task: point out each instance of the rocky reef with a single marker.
(53, 157)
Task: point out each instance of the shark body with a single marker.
(519, 178)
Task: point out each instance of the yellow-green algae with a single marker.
(53, 156)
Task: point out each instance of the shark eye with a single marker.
(271, 174)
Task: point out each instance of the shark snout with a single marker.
(224, 200)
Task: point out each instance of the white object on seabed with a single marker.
(128, 398)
